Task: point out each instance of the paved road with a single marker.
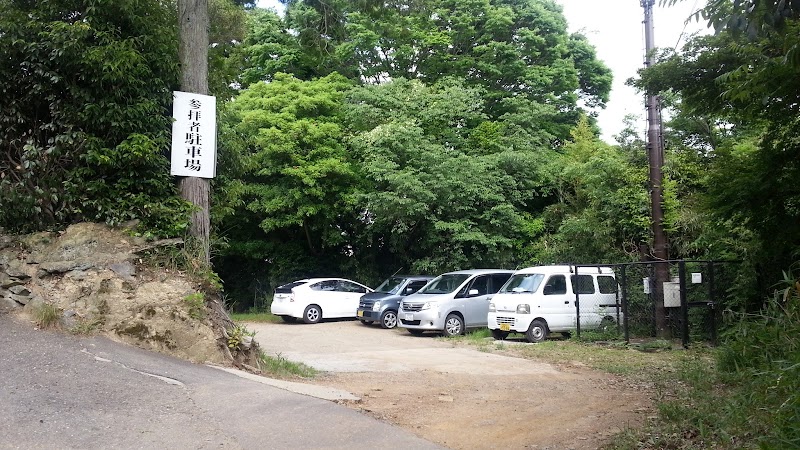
(62, 391)
(349, 346)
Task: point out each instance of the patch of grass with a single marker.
(280, 367)
(261, 317)
(471, 336)
(615, 359)
(693, 412)
(477, 338)
(47, 315)
(196, 303)
(86, 326)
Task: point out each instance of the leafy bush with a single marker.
(762, 355)
(196, 303)
(84, 115)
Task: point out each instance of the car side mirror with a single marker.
(548, 290)
(408, 291)
(472, 293)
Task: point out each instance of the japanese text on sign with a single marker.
(194, 135)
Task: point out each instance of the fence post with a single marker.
(713, 305)
(577, 302)
(624, 301)
(684, 304)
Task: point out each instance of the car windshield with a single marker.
(444, 284)
(391, 285)
(522, 282)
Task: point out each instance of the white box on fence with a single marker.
(672, 294)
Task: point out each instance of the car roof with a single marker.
(478, 271)
(314, 280)
(413, 277)
(567, 269)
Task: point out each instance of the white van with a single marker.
(452, 302)
(540, 300)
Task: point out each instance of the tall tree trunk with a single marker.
(193, 55)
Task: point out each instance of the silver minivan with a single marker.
(452, 302)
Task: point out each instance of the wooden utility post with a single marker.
(655, 153)
(193, 57)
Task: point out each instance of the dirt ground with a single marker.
(458, 396)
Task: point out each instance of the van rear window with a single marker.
(607, 284)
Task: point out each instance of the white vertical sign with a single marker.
(194, 135)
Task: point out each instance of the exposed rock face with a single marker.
(96, 278)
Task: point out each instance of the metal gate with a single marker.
(694, 293)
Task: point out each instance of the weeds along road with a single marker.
(63, 391)
(460, 396)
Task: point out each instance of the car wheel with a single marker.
(537, 332)
(499, 334)
(365, 322)
(289, 319)
(453, 325)
(312, 314)
(389, 319)
(415, 332)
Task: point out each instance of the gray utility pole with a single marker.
(193, 57)
(655, 153)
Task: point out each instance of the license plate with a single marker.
(505, 327)
(409, 317)
(360, 314)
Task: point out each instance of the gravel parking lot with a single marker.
(456, 395)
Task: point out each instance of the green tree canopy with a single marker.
(293, 177)
(602, 214)
(518, 52)
(444, 192)
(85, 90)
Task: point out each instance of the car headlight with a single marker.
(428, 305)
(492, 308)
(376, 306)
(524, 309)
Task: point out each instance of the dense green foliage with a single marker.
(736, 150)
(84, 118)
(294, 180)
(441, 153)
(517, 51)
(762, 358)
(602, 210)
(733, 157)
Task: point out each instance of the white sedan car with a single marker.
(315, 299)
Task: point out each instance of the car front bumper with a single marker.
(420, 320)
(509, 321)
(367, 314)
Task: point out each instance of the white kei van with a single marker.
(540, 300)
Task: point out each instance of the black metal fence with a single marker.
(693, 294)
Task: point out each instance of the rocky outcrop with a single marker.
(100, 281)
